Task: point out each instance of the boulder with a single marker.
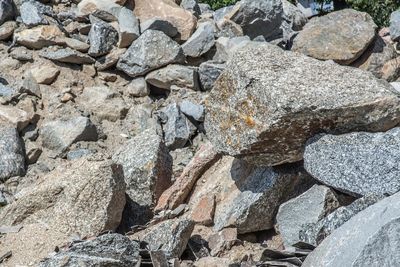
(394, 26)
(12, 153)
(67, 55)
(201, 41)
(161, 25)
(360, 240)
(209, 72)
(7, 10)
(102, 37)
(180, 18)
(156, 50)
(40, 36)
(269, 102)
(320, 38)
(354, 163)
(309, 207)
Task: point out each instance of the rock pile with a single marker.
(165, 133)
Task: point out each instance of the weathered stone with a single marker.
(45, 74)
(159, 25)
(7, 30)
(79, 197)
(12, 153)
(228, 28)
(314, 233)
(321, 39)
(192, 110)
(67, 55)
(222, 12)
(109, 60)
(40, 36)
(209, 72)
(258, 17)
(77, 45)
(7, 10)
(128, 27)
(106, 250)
(7, 91)
(33, 152)
(205, 9)
(31, 86)
(174, 75)
(395, 26)
(310, 207)
(226, 47)
(360, 240)
(201, 41)
(354, 162)
(102, 37)
(155, 49)
(58, 135)
(21, 54)
(104, 8)
(391, 70)
(17, 117)
(203, 212)
(294, 15)
(256, 112)
(222, 241)
(32, 13)
(137, 88)
(182, 19)
(192, 6)
(213, 262)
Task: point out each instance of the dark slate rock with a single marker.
(7, 10)
(209, 72)
(357, 163)
(102, 37)
(395, 26)
(201, 41)
(67, 55)
(12, 154)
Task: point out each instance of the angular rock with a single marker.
(45, 74)
(137, 88)
(79, 197)
(76, 45)
(320, 38)
(222, 241)
(226, 47)
(31, 86)
(394, 26)
(12, 153)
(294, 15)
(68, 55)
(203, 212)
(109, 60)
(201, 41)
(209, 72)
(128, 26)
(181, 19)
(310, 207)
(7, 30)
(228, 28)
(192, 110)
(192, 6)
(58, 135)
(354, 163)
(32, 13)
(105, 250)
(360, 240)
(17, 117)
(159, 25)
(258, 17)
(7, 92)
(7, 10)
(40, 36)
(174, 75)
(101, 8)
(256, 112)
(155, 49)
(222, 12)
(391, 70)
(102, 37)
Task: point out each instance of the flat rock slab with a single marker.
(356, 163)
(321, 38)
(68, 55)
(269, 102)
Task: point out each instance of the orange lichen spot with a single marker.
(249, 121)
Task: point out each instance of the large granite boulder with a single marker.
(268, 102)
(321, 38)
(12, 153)
(356, 163)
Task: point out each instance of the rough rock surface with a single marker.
(102, 38)
(262, 108)
(174, 75)
(209, 72)
(394, 26)
(7, 10)
(12, 154)
(67, 55)
(201, 41)
(321, 39)
(40, 36)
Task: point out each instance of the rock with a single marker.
(255, 112)
(33, 152)
(40, 36)
(222, 12)
(31, 86)
(159, 25)
(109, 60)
(79, 153)
(156, 50)
(77, 45)
(391, 70)
(205, 9)
(32, 13)
(203, 212)
(174, 75)
(353, 163)
(320, 38)
(226, 47)
(12, 154)
(137, 88)
(79, 197)
(7, 10)
(314, 233)
(108, 249)
(221, 241)
(103, 103)
(360, 240)
(58, 135)
(294, 15)
(67, 55)
(7, 30)
(394, 26)
(147, 167)
(102, 37)
(213, 262)
(258, 18)
(103, 8)
(192, 110)
(45, 74)
(192, 6)
(201, 41)
(181, 19)
(209, 72)
(7, 92)
(228, 28)
(17, 117)
(22, 54)
(170, 236)
(310, 207)
(128, 26)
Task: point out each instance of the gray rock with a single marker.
(310, 207)
(7, 30)
(7, 91)
(226, 47)
(201, 41)
(192, 6)
(192, 110)
(159, 25)
(67, 55)
(155, 49)
(314, 233)
(258, 17)
(102, 37)
(137, 88)
(176, 127)
(222, 12)
(170, 236)
(78, 153)
(205, 9)
(354, 163)
(257, 112)
(12, 153)
(209, 72)
(128, 27)
(7, 11)
(106, 250)
(294, 16)
(32, 13)
(370, 238)
(395, 26)
(58, 135)
(228, 28)
(174, 76)
(3, 200)
(30, 86)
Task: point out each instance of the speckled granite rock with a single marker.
(102, 37)
(356, 163)
(263, 109)
(12, 154)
